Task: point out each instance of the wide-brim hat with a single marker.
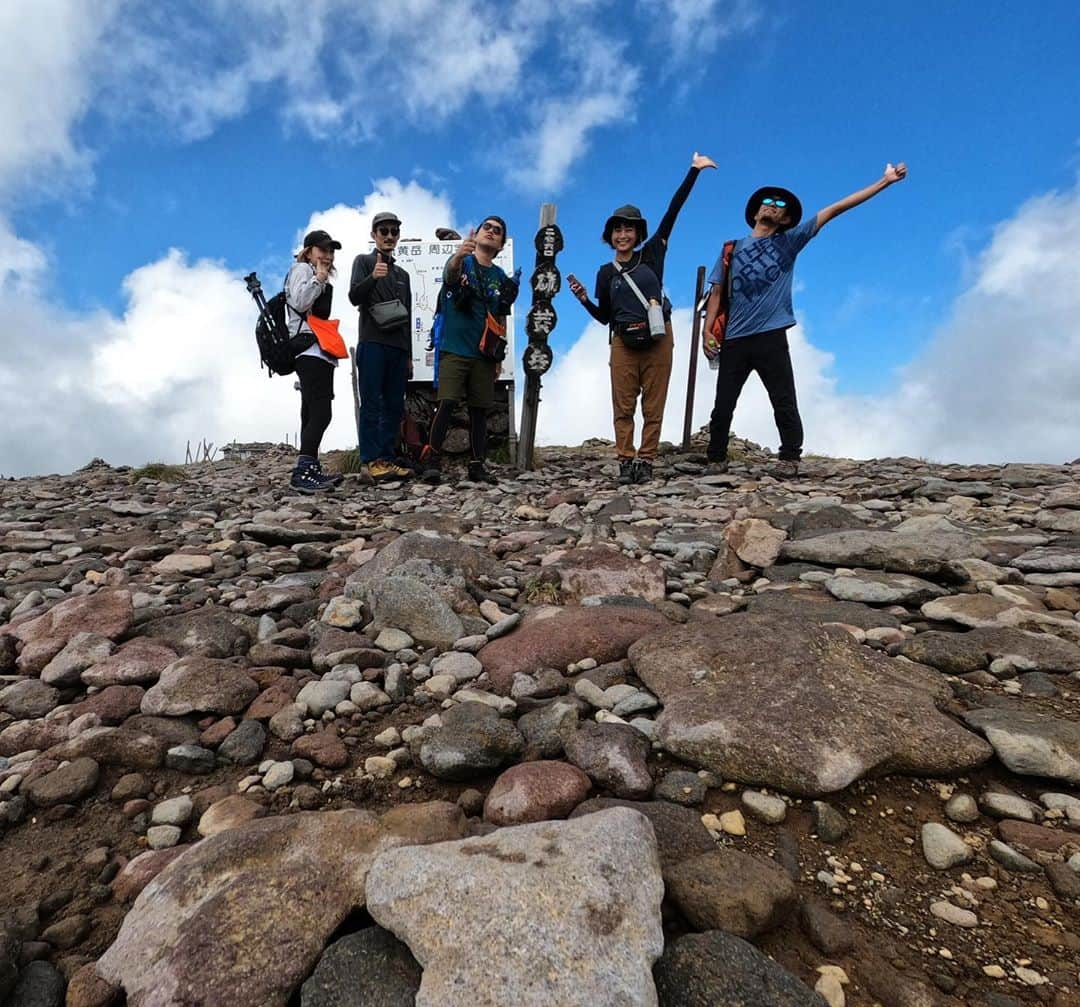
(632, 215)
(794, 207)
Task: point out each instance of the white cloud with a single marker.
(180, 364)
(695, 26)
(999, 381)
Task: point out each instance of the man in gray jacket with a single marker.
(381, 290)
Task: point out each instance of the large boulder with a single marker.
(605, 571)
(872, 587)
(427, 556)
(815, 607)
(200, 685)
(715, 969)
(113, 746)
(797, 706)
(554, 637)
(137, 662)
(534, 915)
(211, 631)
(615, 756)
(411, 605)
(934, 554)
(280, 886)
(28, 699)
(105, 613)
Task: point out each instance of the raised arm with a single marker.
(667, 222)
(892, 174)
(452, 270)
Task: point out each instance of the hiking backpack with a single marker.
(276, 352)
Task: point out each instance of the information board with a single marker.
(424, 261)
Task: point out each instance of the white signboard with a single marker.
(424, 261)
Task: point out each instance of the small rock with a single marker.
(162, 837)
(765, 807)
(954, 914)
(943, 848)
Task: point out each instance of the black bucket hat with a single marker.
(632, 215)
(794, 207)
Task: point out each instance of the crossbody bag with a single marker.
(641, 335)
(493, 344)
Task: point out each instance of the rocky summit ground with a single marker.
(714, 740)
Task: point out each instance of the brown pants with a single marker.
(645, 373)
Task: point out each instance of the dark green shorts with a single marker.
(467, 379)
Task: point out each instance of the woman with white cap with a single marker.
(630, 301)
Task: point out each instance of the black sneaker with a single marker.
(785, 468)
(626, 471)
(717, 468)
(643, 471)
(307, 479)
(479, 474)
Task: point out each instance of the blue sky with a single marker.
(220, 129)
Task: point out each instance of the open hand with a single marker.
(895, 173)
(702, 161)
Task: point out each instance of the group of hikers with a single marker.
(748, 311)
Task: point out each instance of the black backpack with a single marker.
(276, 351)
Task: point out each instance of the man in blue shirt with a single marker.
(759, 312)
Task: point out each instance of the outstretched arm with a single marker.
(892, 174)
(699, 161)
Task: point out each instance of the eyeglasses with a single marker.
(493, 228)
(769, 201)
(389, 232)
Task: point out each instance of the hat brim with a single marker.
(794, 207)
(327, 246)
(640, 223)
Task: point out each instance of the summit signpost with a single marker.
(545, 283)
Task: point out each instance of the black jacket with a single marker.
(365, 290)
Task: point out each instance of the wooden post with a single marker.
(355, 392)
(538, 327)
(691, 378)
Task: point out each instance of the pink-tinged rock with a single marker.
(273, 699)
(600, 570)
(217, 732)
(113, 704)
(137, 662)
(107, 613)
(229, 813)
(88, 989)
(113, 746)
(79, 653)
(200, 685)
(555, 637)
(241, 917)
(138, 873)
(324, 748)
(31, 735)
(536, 792)
(755, 541)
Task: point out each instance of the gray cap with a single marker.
(384, 218)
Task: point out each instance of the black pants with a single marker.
(316, 393)
(767, 353)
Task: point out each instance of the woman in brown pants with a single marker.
(640, 352)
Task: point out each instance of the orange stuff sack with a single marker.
(326, 332)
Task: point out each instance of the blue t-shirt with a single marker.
(462, 329)
(761, 274)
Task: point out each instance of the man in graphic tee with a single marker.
(760, 312)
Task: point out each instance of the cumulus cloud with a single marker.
(179, 364)
(999, 381)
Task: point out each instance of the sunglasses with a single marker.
(769, 201)
(389, 232)
(493, 228)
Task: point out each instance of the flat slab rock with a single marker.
(821, 608)
(602, 571)
(555, 637)
(1032, 744)
(534, 915)
(282, 885)
(959, 653)
(933, 554)
(784, 703)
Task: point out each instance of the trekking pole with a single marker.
(691, 377)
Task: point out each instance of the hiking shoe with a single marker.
(332, 479)
(479, 474)
(431, 466)
(626, 471)
(381, 469)
(643, 472)
(307, 479)
(786, 468)
(717, 468)
(401, 471)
